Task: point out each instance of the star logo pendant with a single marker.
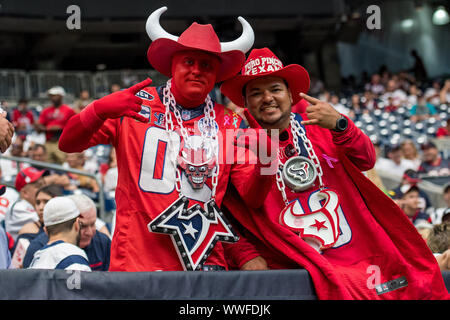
(194, 231)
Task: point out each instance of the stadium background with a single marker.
(330, 38)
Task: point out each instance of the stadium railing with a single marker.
(294, 284)
(56, 167)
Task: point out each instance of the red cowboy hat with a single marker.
(262, 63)
(197, 37)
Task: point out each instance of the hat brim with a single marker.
(161, 51)
(295, 75)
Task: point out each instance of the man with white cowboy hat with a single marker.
(322, 213)
(52, 121)
(168, 215)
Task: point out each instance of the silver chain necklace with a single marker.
(208, 135)
(298, 172)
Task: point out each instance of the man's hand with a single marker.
(444, 260)
(122, 103)
(258, 263)
(321, 113)
(6, 132)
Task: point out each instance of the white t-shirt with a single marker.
(20, 213)
(389, 166)
(6, 201)
(60, 255)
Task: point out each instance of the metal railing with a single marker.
(101, 195)
(33, 85)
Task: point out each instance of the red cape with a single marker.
(413, 258)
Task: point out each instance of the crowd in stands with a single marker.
(24, 212)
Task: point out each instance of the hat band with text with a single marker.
(262, 65)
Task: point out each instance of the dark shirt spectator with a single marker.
(98, 251)
(433, 164)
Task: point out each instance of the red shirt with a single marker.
(146, 182)
(55, 116)
(20, 117)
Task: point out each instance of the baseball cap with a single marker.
(28, 175)
(400, 192)
(58, 210)
(58, 90)
(411, 176)
(427, 145)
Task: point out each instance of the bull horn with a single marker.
(244, 42)
(154, 29)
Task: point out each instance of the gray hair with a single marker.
(83, 203)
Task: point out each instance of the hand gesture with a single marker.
(122, 103)
(6, 132)
(320, 113)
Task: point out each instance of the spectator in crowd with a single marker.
(411, 178)
(418, 69)
(5, 255)
(439, 243)
(392, 90)
(375, 85)
(442, 214)
(9, 168)
(22, 119)
(76, 161)
(412, 96)
(433, 164)
(82, 101)
(369, 102)
(96, 245)
(356, 107)
(52, 121)
(409, 202)
(63, 226)
(38, 152)
(334, 101)
(28, 181)
(394, 164)
(432, 95)
(444, 132)
(7, 199)
(444, 94)
(32, 229)
(390, 106)
(316, 86)
(422, 110)
(115, 87)
(410, 152)
(111, 174)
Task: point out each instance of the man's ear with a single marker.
(77, 225)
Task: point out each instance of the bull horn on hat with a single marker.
(243, 43)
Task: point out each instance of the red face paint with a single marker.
(193, 76)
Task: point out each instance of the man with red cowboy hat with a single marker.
(166, 219)
(322, 213)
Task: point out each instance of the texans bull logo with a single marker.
(194, 231)
(321, 225)
(300, 172)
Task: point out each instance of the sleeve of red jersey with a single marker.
(356, 146)
(251, 182)
(85, 130)
(239, 253)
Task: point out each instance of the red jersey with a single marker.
(376, 244)
(146, 181)
(55, 116)
(22, 118)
